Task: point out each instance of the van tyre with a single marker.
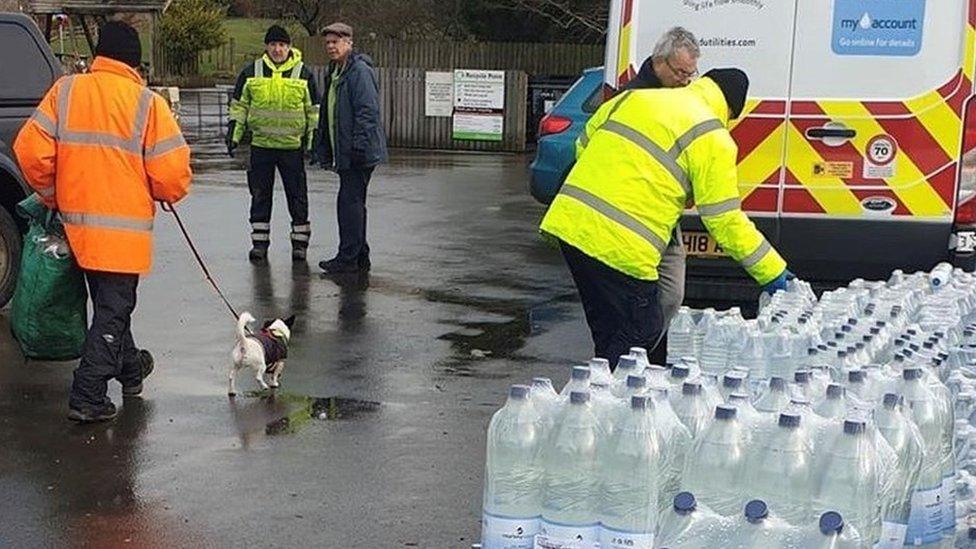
(10, 248)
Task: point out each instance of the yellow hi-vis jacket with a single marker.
(644, 156)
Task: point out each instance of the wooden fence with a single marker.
(534, 59)
(402, 94)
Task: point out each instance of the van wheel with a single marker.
(10, 247)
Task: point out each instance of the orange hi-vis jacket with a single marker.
(101, 148)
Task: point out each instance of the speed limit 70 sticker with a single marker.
(879, 157)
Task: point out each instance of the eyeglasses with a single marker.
(680, 73)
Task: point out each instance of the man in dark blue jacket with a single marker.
(351, 141)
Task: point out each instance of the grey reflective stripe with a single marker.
(45, 122)
(282, 115)
(301, 237)
(755, 257)
(64, 95)
(46, 192)
(260, 237)
(107, 221)
(612, 212)
(659, 154)
(165, 146)
(584, 139)
(725, 206)
(302, 228)
(259, 68)
(132, 145)
(276, 131)
(685, 140)
(297, 71)
(257, 226)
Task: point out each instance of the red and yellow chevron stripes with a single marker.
(625, 70)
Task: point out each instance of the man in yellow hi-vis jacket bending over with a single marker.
(644, 156)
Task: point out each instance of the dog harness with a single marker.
(274, 348)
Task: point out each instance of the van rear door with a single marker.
(753, 35)
(877, 93)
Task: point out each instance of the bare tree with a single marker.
(307, 12)
(582, 18)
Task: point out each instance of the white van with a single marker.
(850, 145)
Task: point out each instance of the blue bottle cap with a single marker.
(732, 381)
(638, 402)
(541, 381)
(855, 376)
(739, 398)
(627, 362)
(835, 391)
(789, 421)
(891, 400)
(812, 351)
(928, 344)
(581, 373)
(852, 427)
(910, 374)
(519, 392)
(725, 412)
(777, 384)
(875, 330)
(802, 376)
(852, 321)
(636, 382)
(831, 523)
(579, 397)
(691, 388)
(914, 347)
(685, 503)
(680, 372)
(756, 510)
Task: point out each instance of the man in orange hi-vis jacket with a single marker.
(100, 149)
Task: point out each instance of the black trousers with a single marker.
(109, 350)
(260, 180)
(622, 311)
(351, 213)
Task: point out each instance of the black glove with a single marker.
(231, 147)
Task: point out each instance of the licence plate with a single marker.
(701, 245)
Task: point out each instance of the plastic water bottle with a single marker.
(834, 405)
(803, 385)
(689, 524)
(675, 446)
(705, 322)
(629, 481)
(600, 371)
(546, 400)
(569, 483)
(941, 276)
(779, 356)
(926, 517)
(775, 398)
(692, 408)
(579, 381)
(780, 471)
(606, 407)
(732, 382)
(626, 366)
(904, 438)
(848, 480)
(681, 335)
(678, 376)
(643, 363)
(830, 532)
(715, 464)
(752, 357)
(758, 528)
(511, 504)
(635, 385)
(657, 376)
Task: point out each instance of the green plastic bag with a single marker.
(49, 312)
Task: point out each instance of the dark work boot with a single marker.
(301, 234)
(335, 266)
(258, 253)
(93, 414)
(146, 365)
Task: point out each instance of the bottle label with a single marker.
(508, 533)
(925, 521)
(949, 501)
(616, 539)
(559, 536)
(892, 535)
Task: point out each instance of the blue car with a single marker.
(558, 130)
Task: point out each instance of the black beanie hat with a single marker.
(734, 85)
(277, 33)
(119, 41)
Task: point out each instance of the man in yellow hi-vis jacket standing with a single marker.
(644, 156)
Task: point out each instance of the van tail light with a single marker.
(553, 124)
(966, 208)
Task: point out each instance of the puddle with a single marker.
(300, 410)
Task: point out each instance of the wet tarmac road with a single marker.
(377, 437)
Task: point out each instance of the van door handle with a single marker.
(832, 133)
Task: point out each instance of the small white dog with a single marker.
(264, 352)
